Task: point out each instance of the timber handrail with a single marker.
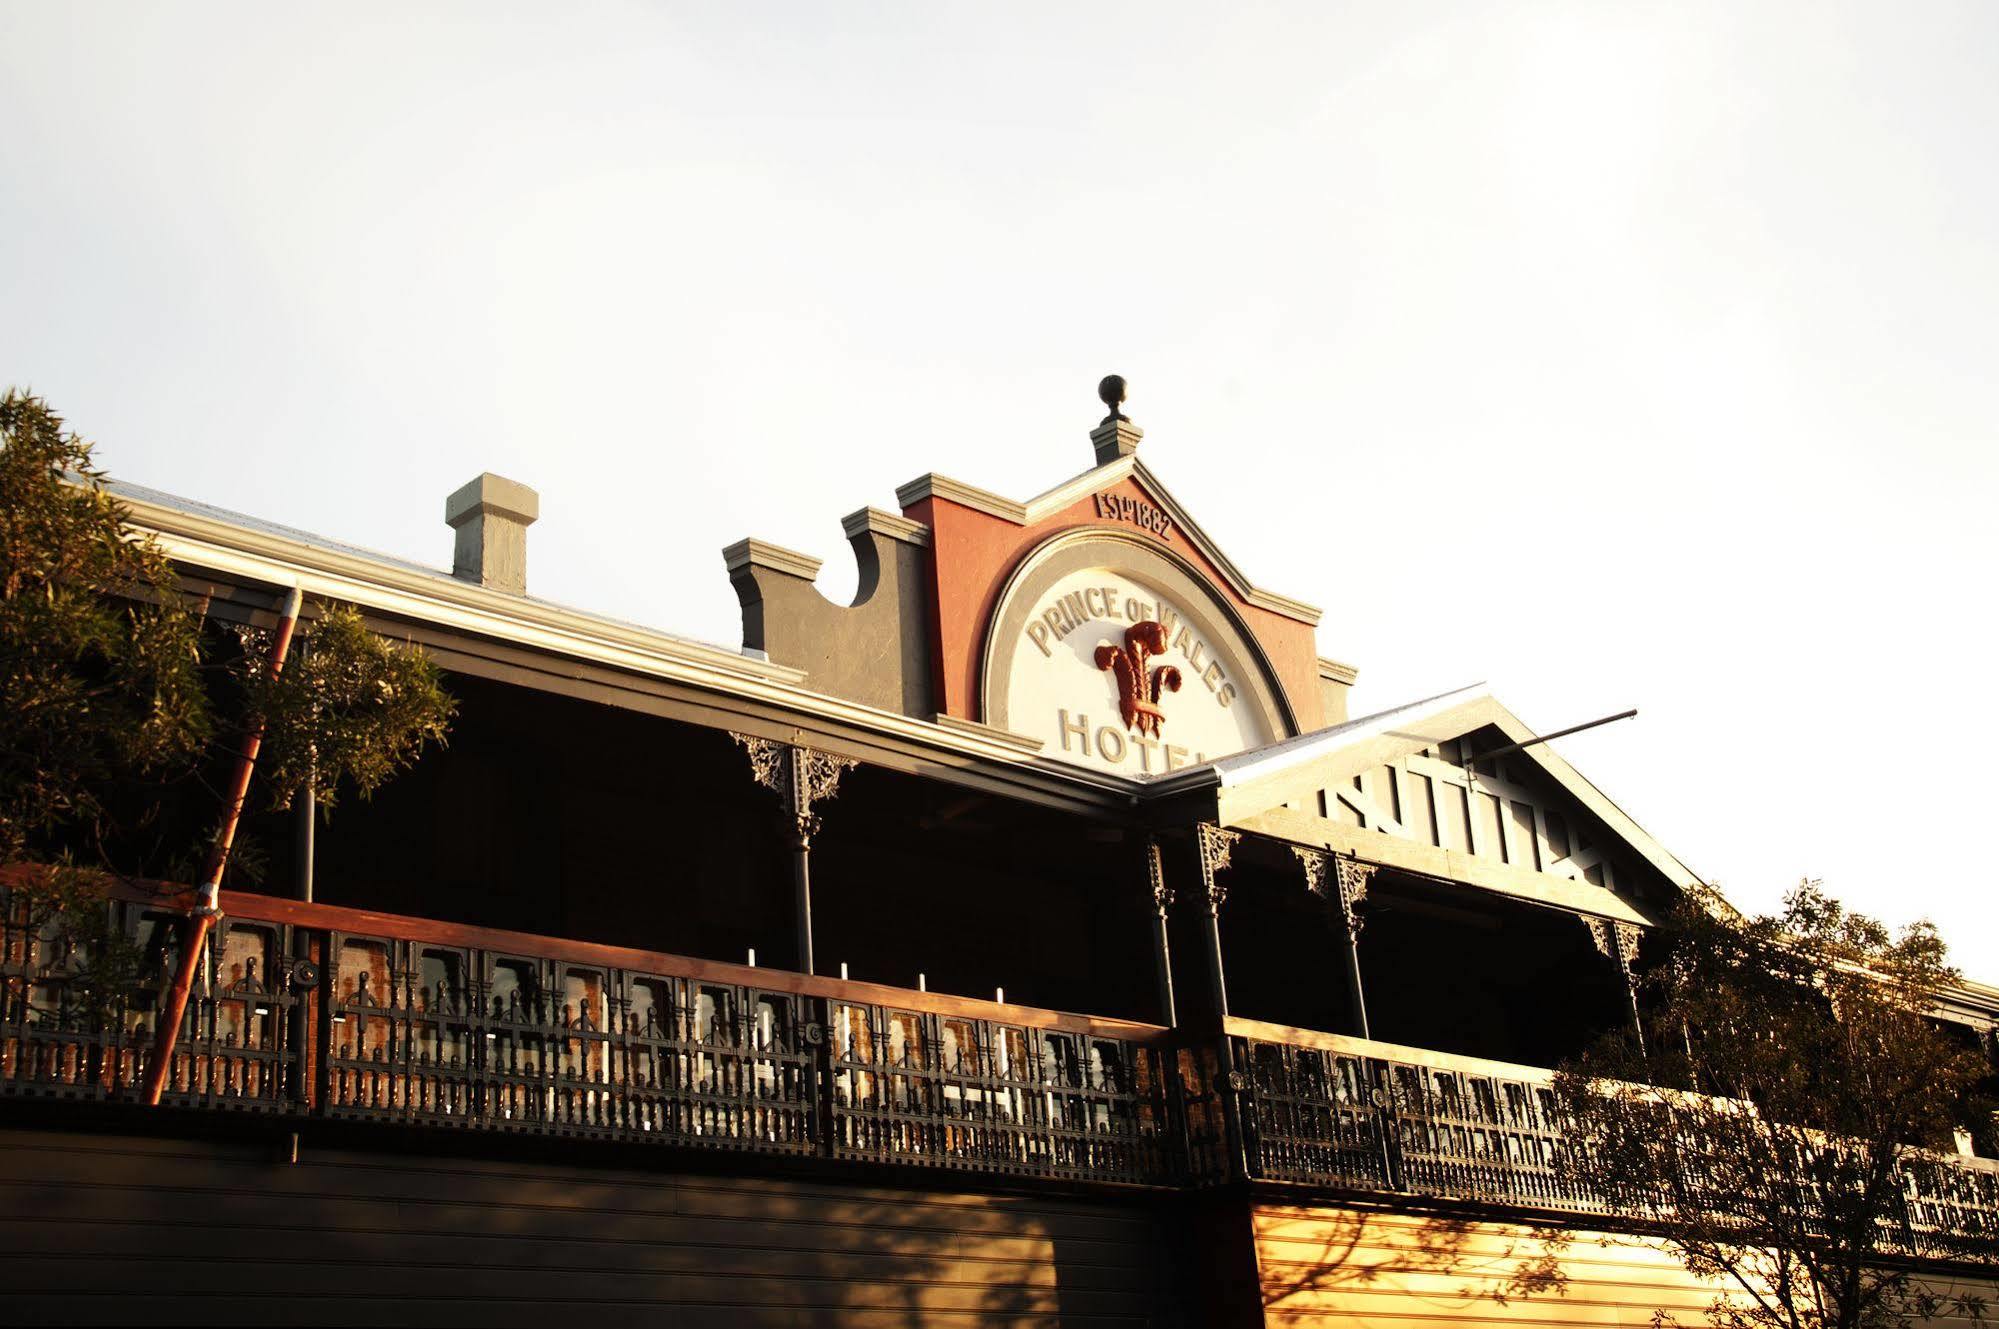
(408, 927)
(337, 918)
(1350, 1046)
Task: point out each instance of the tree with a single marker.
(107, 680)
(100, 661)
(1797, 1080)
(350, 708)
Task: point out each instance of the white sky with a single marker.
(1616, 354)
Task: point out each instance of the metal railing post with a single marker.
(1388, 1129)
(1233, 1090)
(818, 1035)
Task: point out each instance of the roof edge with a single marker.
(931, 485)
(223, 543)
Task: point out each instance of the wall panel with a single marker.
(1325, 1266)
(113, 1229)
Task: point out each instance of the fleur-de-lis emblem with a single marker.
(1138, 688)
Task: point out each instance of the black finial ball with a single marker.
(1111, 391)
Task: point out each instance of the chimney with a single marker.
(492, 515)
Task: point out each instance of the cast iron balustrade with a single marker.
(64, 1035)
(1952, 1208)
(455, 1036)
(1210, 1115)
(1333, 1111)
(1343, 1113)
(1317, 1116)
(991, 1096)
(1477, 1135)
(425, 1024)
(308, 1012)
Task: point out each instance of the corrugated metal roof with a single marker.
(210, 512)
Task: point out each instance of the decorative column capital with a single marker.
(770, 761)
(1314, 862)
(1346, 888)
(799, 776)
(1216, 845)
(817, 774)
(1615, 940)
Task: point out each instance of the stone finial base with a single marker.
(1115, 438)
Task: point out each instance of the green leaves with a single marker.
(67, 912)
(1799, 1072)
(349, 709)
(107, 697)
(99, 657)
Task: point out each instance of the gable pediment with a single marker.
(985, 548)
(1407, 788)
(1098, 482)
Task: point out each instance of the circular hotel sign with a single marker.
(1118, 656)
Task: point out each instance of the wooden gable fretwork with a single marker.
(1405, 790)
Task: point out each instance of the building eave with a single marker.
(205, 539)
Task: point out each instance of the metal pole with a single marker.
(799, 777)
(802, 825)
(1618, 942)
(1347, 889)
(1543, 738)
(1162, 946)
(1218, 988)
(801, 875)
(207, 909)
(1354, 989)
(1213, 844)
(306, 829)
(1631, 1000)
(299, 1029)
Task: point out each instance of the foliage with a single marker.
(64, 914)
(1799, 1073)
(99, 658)
(348, 707)
(107, 683)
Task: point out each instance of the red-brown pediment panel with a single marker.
(975, 553)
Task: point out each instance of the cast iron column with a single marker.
(1618, 942)
(800, 777)
(1215, 845)
(301, 973)
(304, 849)
(1162, 949)
(1343, 893)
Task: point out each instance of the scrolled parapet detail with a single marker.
(874, 650)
